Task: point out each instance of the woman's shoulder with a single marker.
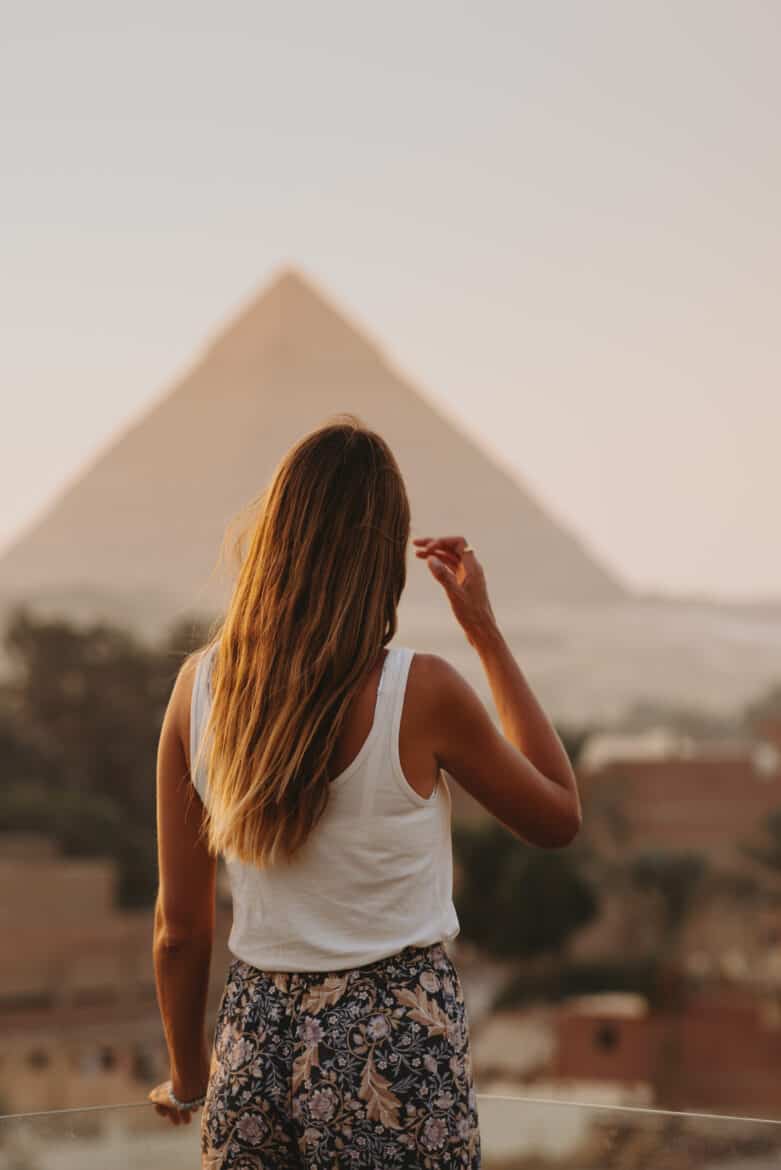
(438, 687)
(428, 667)
(430, 680)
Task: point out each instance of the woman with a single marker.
(317, 750)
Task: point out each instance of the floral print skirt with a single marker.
(363, 1068)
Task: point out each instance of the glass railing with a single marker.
(517, 1133)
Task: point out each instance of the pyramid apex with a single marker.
(290, 309)
(288, 277)
(295, 289)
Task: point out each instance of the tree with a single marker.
(574, 740)
(676, 876)
(767, 851)
(80, 718)
(514, 900)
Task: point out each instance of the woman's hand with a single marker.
(461, 575)
(163, 1105)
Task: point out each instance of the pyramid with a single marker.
(146, 518)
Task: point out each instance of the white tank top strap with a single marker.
(383, 685)
(387, 791)
(382, 724)
(404, 656)
(199, 710)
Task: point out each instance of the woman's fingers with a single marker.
(450, 549)
(443, 573)
(173, 1115)
(454, 543)
(430, 550)
(164, 1108)
(450, 562)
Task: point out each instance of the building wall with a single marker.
(599, 1046)
(721, 1052)
(702, 803)
(79, 1020)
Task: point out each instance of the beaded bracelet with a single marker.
(194, 1104)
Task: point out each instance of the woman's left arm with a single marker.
(184, 911)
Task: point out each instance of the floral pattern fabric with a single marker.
(357, 1069)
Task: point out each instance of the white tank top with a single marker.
(375, 874)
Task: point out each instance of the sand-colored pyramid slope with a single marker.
(147, 517)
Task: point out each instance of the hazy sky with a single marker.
(560, 219)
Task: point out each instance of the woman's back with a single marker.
(341, 1034)
(376, 873)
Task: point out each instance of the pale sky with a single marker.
(560, 219)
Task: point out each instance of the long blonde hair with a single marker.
(314, 603)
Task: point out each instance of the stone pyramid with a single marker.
(146, 519)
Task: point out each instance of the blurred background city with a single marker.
(537, 248)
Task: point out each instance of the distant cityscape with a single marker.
(687, 972)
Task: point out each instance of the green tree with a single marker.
(574, 740)
(516, 901)
(676, 876)
(80, 718)
(767, 850)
